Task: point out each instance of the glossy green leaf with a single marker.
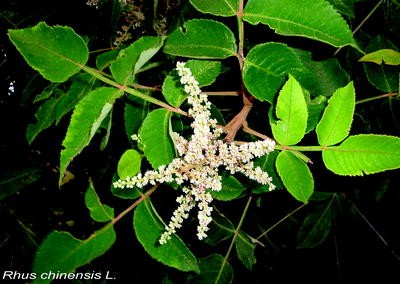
(231, 189)
(85, 121)
(328, 75)
(224, 8)
(132, 58)
(149, 228)
(62, 252)
(47, 92)
(205, 72)
(129, 164)
(221, 228)
(363, 154)
(53, 109)
(345, 7)
(315, 110)
(200, 38)
(291, 112)
(155, 139)
(335, 123)
(314, 19)
(382, 56)
(215, 269)
(382, 77)
(13, 180)
(295, 175)
(105, 59)
(266, 67)
(316, 227)
(98, 211)
(55, 52)
(245, 250)
(106, 126)
(135, 112)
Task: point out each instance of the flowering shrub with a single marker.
(179, 135)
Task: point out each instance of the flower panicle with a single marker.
(198, 162)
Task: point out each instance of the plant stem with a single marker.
(224, 94)
(300, 148)
(362, 22)
(136, 203)
(235, 235)
(280, 221)
(130, 91)
(388, 95)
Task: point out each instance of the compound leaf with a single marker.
(86, 119)
(266, 67)
(224, 8)
(132, 58)
(62, 252)
(215, 269)
(98, 211)
(200, 38)
(295, 175)
(149, 228)
(291, 111)
(336, 120)
(155, 139)
(363, 154)
(55, 52)
(315, 19)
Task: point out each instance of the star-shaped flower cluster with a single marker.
(199, 160)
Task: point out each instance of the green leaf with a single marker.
(52, 110)
(215, 269)
(386, 56)
(266, 67)
(296, 176)
(200, 38)
(312, 19)
(135, 112)
(13, 180)
(173, 90)
(221, 228)
(47, 92)
(316, 227)
(335, 123)
(245, 250)
(224, 8)
(155, 139)
(205, 72)
(85, 121)
(382, 77)
(105, 59)
(98, 211)
(327, 77)
(149, 228)
(61, 252)
(132, 58)
(363, 154)
(315, 110)
(345, 7)
(231, 189)
(291, 110)
(129, 164)
(55, 52)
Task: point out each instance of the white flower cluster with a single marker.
(199, 160)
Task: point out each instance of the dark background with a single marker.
(363, 244)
